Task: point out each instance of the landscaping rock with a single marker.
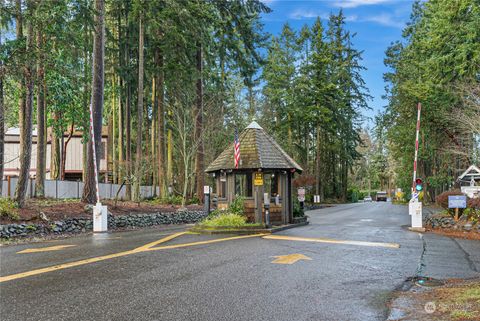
(77, 225)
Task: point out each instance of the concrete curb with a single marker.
(248, 231)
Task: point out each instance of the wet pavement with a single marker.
(200, 277)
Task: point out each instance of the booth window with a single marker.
(271, 184)
(243, 185)
(222, 187)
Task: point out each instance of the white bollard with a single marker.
(100, 218)
(415, 211)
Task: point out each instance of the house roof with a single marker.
(257, 150)
(472, 172)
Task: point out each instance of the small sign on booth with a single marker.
(258, 179)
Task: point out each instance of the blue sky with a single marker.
(377, 23)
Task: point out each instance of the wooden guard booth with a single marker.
(264, 168)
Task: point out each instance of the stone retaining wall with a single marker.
(436, 221)
(79, 225)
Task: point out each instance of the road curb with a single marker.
(247, 231)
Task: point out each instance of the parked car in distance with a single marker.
(367, 199)
(381, 196)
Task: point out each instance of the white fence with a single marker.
(71, 189)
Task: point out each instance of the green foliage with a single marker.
(297, 210)
(8, 209)
(436, 58)
(237, 206)
(313, 89)
(170, 200)
(226, 220)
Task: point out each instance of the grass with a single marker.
(8, 209)
(459, 302)
(228, 220)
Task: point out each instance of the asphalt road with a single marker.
(232, 279)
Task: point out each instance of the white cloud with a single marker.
(357, 3)
(300, 14)
(384, 19)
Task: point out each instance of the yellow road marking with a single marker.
(290, 258)
(86, 261)
(323, 240)
(144, 248)
(176, 246)
(165, 239)
(45, 249)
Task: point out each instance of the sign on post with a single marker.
(456, 202)
(301, 194)
(258, 179)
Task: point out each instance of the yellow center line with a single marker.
(324, 240)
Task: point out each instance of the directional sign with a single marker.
(290, 258)
(457, 201)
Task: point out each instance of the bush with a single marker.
(8, 209)
(170, 200)
(193, 201)
(297, 210)
(227, 220)
(237, 206)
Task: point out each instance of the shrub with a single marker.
(297, 210)
(474, 203)
(170, 200)
(237, 206)
(194, 200)
(227, 219)
(8, 209)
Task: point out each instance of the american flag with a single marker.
(236, 148)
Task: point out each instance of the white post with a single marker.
(414, 206)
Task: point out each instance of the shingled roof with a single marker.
(257, 150)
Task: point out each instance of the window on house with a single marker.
(243, 185)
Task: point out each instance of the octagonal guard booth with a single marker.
(264, 168)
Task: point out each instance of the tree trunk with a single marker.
(121, 157)
(159, 100)
(318, 163)
(2, 117)
(55, 150)
(138, 158)
(63, 161)
(128, 132)
(89, 190)
(153, 137)
(41, 126)
(199, 170)
(25, 114)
